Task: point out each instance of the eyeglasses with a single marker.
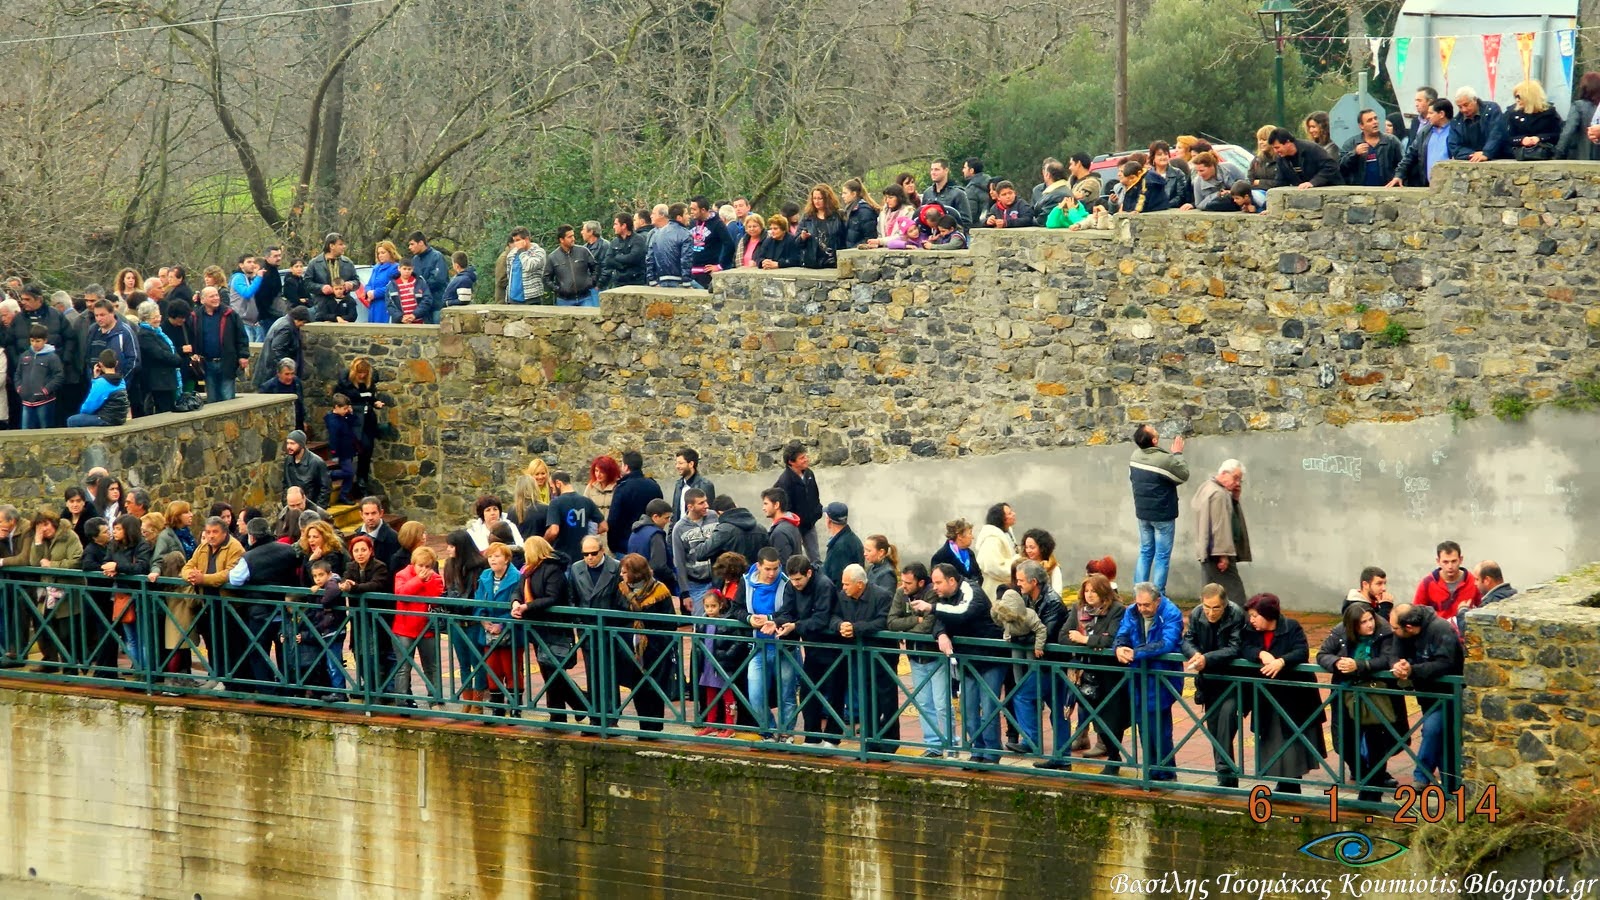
(591, 553)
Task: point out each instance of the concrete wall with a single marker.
(1338, 306)
(228, 451)
(130, 799)
(1322, 502)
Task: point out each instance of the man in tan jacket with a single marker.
(207, 572)
(1221, 539)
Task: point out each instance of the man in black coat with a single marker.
(1211, 642)
(799, 484)
(1429, 650)
(860, 613)
(633, 492)
(624, 264)
(1371, 158)
(1302, 163)
(385, 542)
(266, 564)
(822, 692)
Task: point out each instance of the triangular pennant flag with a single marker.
(1447, 49)
(1402, 48)
(1377, 50)
(1566, 41)
(1491, 59)
(1525, 49)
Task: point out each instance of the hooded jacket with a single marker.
(736, 531)
(39, 376)
(108, 399)
(784, 536)
(649, 541)
(1155, 475)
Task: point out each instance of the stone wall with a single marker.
(1532, 712)
(228, 451)
(1337, 306)
(204, 800)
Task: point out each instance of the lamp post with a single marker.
(1274, 15)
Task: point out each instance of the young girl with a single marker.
(413, 628)
(723, 657)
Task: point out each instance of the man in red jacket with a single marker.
(1449, 589)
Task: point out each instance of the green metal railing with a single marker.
(611, 672)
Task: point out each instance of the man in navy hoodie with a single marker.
(38, 377)
(632, 494)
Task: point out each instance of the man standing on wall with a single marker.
(1222, 541)
(799, 484)
(1155, 474)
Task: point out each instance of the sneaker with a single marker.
(933, 754)
(1051, 764)
(702, 732)
(723, 733)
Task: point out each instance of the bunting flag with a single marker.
(1491, 58)
(1447, 49)
(1402, 47)
(1566, 41)
(1525, 48)
(1377, 49)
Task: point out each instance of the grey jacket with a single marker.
(1215, 510)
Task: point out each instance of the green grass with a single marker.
(1511, 407)
(1461, 409)
(1394, 334)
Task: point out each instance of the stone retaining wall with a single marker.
(228, 451)
(1337, 306)
(1532, 710)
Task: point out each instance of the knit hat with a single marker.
(298, 436)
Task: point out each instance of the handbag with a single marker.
(122, 609)
(189, 403)
(1539, 152)
(1369, 708)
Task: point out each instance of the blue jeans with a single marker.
(130, 637)
(697, 596)
(335, 659)
(591, 299)
(980, 708)
(41, 416)
(1431, 754)
(1155, 552)
(220, 375)
(85, 420)
(1024, 700)
(254, 333)
(930, 692)
(768, 656)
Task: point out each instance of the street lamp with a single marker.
(1274, 16)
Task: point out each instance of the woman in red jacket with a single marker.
(413, 627)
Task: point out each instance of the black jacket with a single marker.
(38, 376)
(309, 473)
(267, 294)
(1337, 645)
(632, 494)
(966, 614)
(624, 264)
(968, 572)
(821, 248)
(952, 198)
(814, 610)
(282, 341)
(46, 315)
(785, 252)
(1309, 163)
(231, 341)
(1353, 165)
(273, 563)
(785, 538)
(1218, 643)
(1434, 654)
(736, 531)
(867, 615)
(571, 275)
(844, 549)
(361, 403)
(860, 225)
(1546, 126)
(977, 196)
(805, 500)
(545, 586)
(319, 274)
(158, 366)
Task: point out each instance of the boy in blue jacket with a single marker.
(107, 403)
(344, 436)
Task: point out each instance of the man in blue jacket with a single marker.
(670, 257)
(1152, 628)
(430, 266)
(1479, 127)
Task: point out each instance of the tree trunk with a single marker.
(325, 194)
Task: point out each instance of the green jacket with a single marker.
(64, 551)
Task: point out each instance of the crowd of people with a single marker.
(170, 343)
(773, 601)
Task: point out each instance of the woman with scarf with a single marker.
(957, 551)
(160, 372)
(178, 535)
(1358, 649)
(655, 644)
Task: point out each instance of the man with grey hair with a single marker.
(1151, 629)
(860, 612)
(221, 348)
(288, 383)
(1479, 128)
(598, 248)
(1222, 541)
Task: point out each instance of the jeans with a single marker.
(130, 637)
(591, 299)
(980, 709)
(1434, 754)
(697, 596)
(334, 657)
(769, 659)
(1155, 553)
(930, 692)
(254, 333)
(86, 420)
(41, 416)
(220, 375)
(1024, 700)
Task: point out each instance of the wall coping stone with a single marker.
(655, 293)
(384, 329)
(160, 420)
(792, 273)
(1564, 601)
